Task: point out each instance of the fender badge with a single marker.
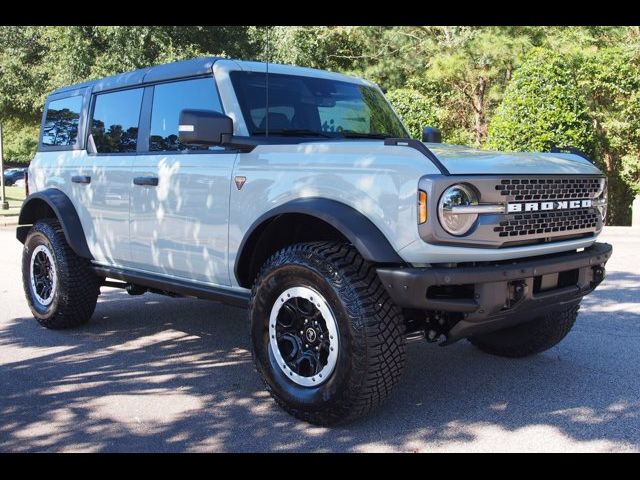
(240, 181)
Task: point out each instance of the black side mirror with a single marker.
(204, 127)
(431, 135)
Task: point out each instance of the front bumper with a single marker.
(491, 297)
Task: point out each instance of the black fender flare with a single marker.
(63, 209)
(353, 225)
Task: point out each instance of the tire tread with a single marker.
(382, 357)
(78, 286)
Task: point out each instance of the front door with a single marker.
(180, 197)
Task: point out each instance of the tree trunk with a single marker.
(447, 35)
(480, 123)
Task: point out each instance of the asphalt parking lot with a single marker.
(153, 373)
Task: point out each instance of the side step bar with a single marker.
(174, 286)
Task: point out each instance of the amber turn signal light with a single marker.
(422, 206)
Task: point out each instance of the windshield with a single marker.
(314, 106)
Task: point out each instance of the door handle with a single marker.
(149, 181)
(81, 179)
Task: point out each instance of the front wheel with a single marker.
(325, 336)
(60, 287)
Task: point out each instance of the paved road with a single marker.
(158, 374)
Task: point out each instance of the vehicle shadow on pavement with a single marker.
(160, 374)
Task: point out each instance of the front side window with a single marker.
(169, 99)
(61, 122)
(115, 121)
(310, 105)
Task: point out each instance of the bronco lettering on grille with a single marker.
(541, 206)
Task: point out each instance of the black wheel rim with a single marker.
(303, 335)
(43, 275)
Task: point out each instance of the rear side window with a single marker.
(115, 121)
(168, 100)
(61, 122)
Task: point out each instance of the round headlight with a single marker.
(457, 195)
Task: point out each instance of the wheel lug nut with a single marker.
(301, 332)
(317, 349)
(306, 345)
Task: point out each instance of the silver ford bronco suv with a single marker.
(298, 193)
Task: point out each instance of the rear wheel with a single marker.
(531, 337)
(60, 286)
(325, 337)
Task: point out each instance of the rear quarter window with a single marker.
(115, 121)
(61, 122)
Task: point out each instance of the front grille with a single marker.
(548, 222)
(552, 225)
(548, 188)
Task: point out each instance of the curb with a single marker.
(620, 231)
(8, 221)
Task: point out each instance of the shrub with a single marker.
(415, 109)
(543, 107)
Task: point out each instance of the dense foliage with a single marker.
(542, 108)
(494, 87)
(611, 84)
(415, 109)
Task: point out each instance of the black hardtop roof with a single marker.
(157, 73)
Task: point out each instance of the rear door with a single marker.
(180, 200)
(101, 180)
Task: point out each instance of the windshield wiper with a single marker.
(293, 132)
(352, 134)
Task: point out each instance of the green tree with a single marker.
(22, 56)
(611, 79)
(543, 107)
(415, 109)
(328, 48)
(20, 139)
(472, 66)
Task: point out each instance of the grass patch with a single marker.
(15, 197)
(15, 193)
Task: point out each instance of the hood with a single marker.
(461, 160)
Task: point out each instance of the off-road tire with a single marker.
(77, 290)
(371, 351)
(531, 337)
